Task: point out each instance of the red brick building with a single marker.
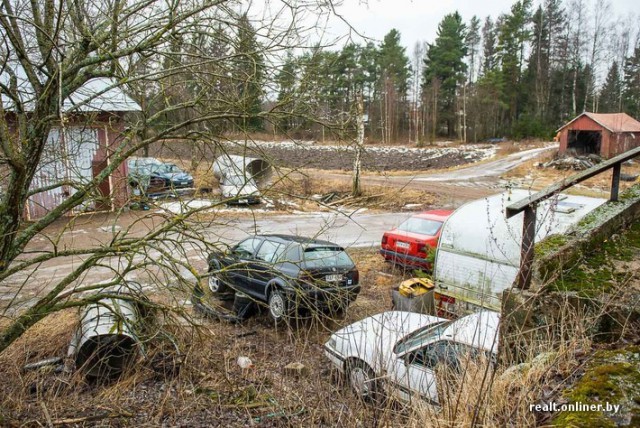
(604, 134)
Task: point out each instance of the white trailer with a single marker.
(478, 253)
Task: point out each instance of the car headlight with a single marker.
(332, 343)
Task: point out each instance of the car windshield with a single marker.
(317, 257)
(166, 168)
(421, 226)
(422, 336)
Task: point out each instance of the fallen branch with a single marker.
(90, 418)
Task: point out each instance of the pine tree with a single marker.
(488, 46)
(393, 84)
(445, 64)
(393, 61)
(514, 32)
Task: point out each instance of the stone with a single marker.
(296, 369)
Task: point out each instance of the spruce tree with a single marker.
(611, 91)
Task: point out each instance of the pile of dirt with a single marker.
(332, 157)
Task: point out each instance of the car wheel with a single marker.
(278, 305)
(216, 286)
(363, 380)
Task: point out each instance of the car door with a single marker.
(261, 267)
(237, 264)
(415, 372)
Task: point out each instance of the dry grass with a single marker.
(188, 375)
(305, 185)
(479, 396)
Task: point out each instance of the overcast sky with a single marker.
(417, 20)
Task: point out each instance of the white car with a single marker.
(397, 352)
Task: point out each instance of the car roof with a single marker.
(309, 242)
(479, 330)
(440, 215)
(142, 160)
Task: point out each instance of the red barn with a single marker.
(604, 134)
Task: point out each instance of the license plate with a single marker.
(182, 183)
(243, 201)
(403, 245)
(333, 278)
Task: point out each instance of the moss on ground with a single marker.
(597, 273)
(610, 377)
(605, 211)
(550, 245)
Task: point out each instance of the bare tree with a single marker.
(577, 20)
(417, 68)
(359, 145)
(601, 14)
(167, 55)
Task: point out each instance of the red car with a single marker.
(407, 244)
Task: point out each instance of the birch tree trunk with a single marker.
(359, 146)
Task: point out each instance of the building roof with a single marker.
(614, 122)
(95, 95)
(100, 94)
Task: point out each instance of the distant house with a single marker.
(79, 147)
(606, 135)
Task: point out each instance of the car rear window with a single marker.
(421, 226)
(317, 257)
(165, 168)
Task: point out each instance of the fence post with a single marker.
(528, 244)
(615, 182)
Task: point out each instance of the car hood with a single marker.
(231, 191)
(373, 339)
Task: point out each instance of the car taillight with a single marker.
(384, 239)
(355, 277)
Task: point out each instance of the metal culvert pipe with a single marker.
(106, 344)
(241, 177)
(241, 166)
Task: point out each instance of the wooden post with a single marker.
(615, 182)
(528, 244)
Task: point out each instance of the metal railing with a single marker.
(529, 205)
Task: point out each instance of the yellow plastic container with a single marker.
(415, 287)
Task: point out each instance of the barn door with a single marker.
(104, 188)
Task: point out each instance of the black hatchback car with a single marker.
(287, 273)
(152, 176)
